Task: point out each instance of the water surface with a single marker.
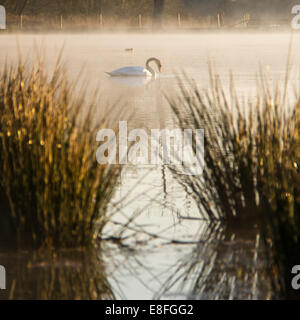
(188, 258)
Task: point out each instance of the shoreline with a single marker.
(145, 31)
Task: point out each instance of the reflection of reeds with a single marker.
(67, 274)
(252, 158)
(53, 191)
(225, 265)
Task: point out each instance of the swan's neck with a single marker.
(150, 69)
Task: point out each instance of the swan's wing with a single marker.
(130, 71)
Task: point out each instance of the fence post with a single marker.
(21, 22)
(179, 19)
(61, 22)
(209, 21)
(246, 19)
(101, 20)
(223, 19)
(219, 22)
(140, 21)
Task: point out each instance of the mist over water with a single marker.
(88, 56)
(155, 193)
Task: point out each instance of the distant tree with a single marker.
(126, 9)
(158, 13)
(22, 6)
(15, 6)
(99, 6)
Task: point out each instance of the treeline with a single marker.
(110, 8)
(232, 8)
(156, 9)
(77, 7)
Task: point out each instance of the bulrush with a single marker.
(52, 190)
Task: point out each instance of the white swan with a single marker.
(137, 71)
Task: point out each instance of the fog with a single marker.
(87, 56)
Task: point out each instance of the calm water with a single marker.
(188, 259)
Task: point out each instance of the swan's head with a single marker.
(157, 61)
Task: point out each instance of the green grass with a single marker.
(52, 190)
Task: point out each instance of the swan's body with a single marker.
(137, 71)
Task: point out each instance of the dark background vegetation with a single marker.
(156, 9)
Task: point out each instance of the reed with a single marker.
(52, 190)
(251, 173)
(251, 150)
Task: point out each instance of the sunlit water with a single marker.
(187, 259)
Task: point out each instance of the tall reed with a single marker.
(251, 150)
(252, 157)
(52, 190)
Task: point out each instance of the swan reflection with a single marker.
(131, 82)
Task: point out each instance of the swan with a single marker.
(137, 71)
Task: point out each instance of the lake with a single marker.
(168, 252)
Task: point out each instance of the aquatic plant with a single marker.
(226, 264)
(251, 171)
(282, 231)
(52, 190)
(251, 161)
